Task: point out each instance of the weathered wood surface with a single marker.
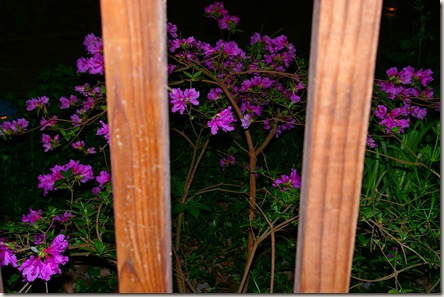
(134, 35)
(342, 61)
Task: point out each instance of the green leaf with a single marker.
(178, 208)
(188, 74)
(67, 173)
(100, 247)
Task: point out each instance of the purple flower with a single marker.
(222, 120)
(104, 130)
(215, 93)
(180, 99)
(371, 142)
(34, 268)
(48, 123)
(381, 111)
(50, 143)
(172, 29)
(392, 72)
(246, 121)
(32, 216)
(66, 103)
(40, 102)
(16, 126)
(418, 112)
(58, 245)
(31, 268)
(215, 10)
(294, 180)
(103, 178)
(7, 256)
(49, 268)
(406, 74)
(424, 76)
(93, 44)
(64, 217)
(228, 22)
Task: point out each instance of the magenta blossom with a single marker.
(50, 143)
(32, 216)
(64, 217)
(35, 267)
(83, 173)
(40, 102)
(14, 127)
(31, 268)
(103, 178)
(222, 120)
(180, 99)
(48, 123)
(371, 142)
(104, 130)
(294, 181)
(7, 256)
(246, 121)
(66, 103)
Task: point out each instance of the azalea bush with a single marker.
(237, 122)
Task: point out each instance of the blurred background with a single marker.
(37, 36)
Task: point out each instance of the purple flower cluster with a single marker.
(220, 14)
(47, 261)
(245, 75)
(292, 181)
(95, 63)
(403, 87)
(14, 127)
(80, 172)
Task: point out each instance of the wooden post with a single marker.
(342, 61)
(134, 35)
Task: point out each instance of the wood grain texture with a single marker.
(134, 35)
(342, 62)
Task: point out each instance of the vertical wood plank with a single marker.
(342, 61)
(134, 34)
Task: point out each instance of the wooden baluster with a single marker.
(342, 62)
